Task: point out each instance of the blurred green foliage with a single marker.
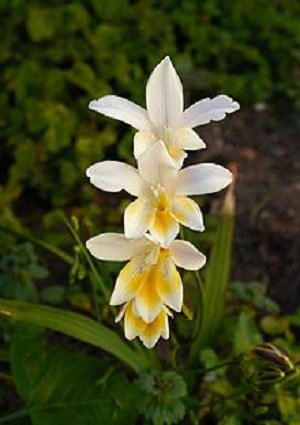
(56, 56)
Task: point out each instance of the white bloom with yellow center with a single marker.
(149, 284)
(165, 118)
(161, 190)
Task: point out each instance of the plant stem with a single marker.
(38, 242)
(200, 290)
(95, 276)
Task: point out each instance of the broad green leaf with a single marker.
(76, 326)
(60, 386)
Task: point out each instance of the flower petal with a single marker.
(156, 166)
(147, 301)
(202, 179)
(164, 227)
(178, 155)
(138, 217)
(164, 95)
(185, 255)
(189, 140)
(114, 176)
(130, 279)
(152, 332)
(123, 110)
(169, 284)
(115, 246)
(133, 325)
(142, 141)
(207, 110)
(188, 213)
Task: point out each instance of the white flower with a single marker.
(161, 191)
(149, 284)
(165, 118)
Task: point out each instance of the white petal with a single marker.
(189, 140)
(123, 110)
(164, 95)
(188, 213)
(142, 141)
(185, 255)
(155, 165)
(115, 247)
(207, 110)
(114, 176)
(138, 217)
(202, 179)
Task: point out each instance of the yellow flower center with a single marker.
(161, 199)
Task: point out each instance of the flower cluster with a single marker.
(149, 287)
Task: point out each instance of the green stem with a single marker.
(200, 290)
(38, 242)
(96, 278)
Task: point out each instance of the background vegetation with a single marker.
(57, 56)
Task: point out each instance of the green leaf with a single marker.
(65, 387)
(76, 326)
(246, 334)
(162, 394)
(217, 278)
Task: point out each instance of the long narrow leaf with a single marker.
(217, 277)
(76, 326)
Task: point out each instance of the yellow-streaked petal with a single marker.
(177, 154)
(147, 302)
(138, 217)
(142, 141)
(153, 331)
(130, 279)
(169, 285)
(133, 325)
(164, 227)
(188, 213)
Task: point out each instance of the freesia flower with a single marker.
(161, 190)
(165, 118)
(149, 284)
(148, 333)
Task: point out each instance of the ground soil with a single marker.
(266, 150)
